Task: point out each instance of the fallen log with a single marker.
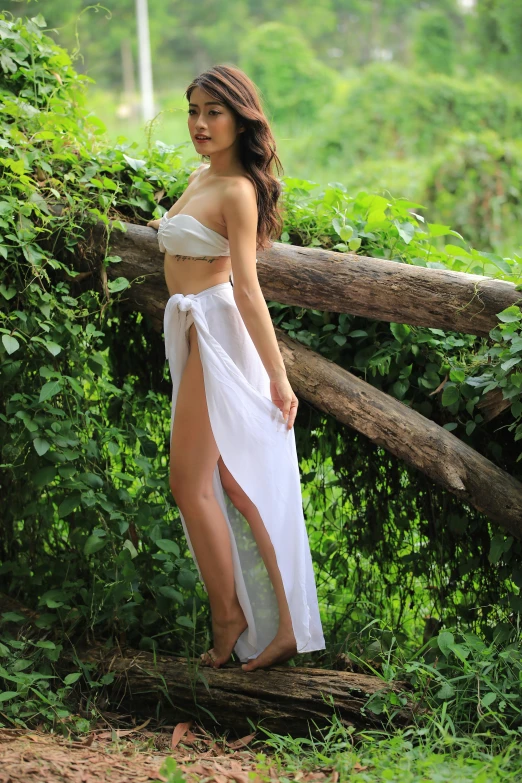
(328, 280)
(284, 699)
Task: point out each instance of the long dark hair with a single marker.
(257, 145)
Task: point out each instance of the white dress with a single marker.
(254, 442)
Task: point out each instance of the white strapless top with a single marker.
(184, 235)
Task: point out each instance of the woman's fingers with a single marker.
(290, 411)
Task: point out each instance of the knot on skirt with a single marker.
(182, 302)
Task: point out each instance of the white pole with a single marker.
(145, 67)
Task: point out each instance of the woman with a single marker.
(233, 464)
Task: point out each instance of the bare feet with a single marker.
(225, 637)
(281, 649)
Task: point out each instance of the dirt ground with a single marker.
(136, 756)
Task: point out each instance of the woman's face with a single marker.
(209, 117)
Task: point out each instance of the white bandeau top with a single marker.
(184, 235)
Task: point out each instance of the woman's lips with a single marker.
(200, 141)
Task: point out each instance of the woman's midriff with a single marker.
(191, 275)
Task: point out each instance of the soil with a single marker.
(108, 755)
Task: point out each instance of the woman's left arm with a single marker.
(240, 214)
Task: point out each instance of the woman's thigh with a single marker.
(193, 450)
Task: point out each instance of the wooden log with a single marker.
(286, 700)
(327, 280)
(420, 442)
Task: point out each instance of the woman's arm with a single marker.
(240, 214)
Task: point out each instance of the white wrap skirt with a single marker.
(260, 452)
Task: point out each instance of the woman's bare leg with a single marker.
(193, 457)
(283, 645)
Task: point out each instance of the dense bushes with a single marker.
(397, 111)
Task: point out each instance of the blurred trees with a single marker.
(285, 68)
(186, 38)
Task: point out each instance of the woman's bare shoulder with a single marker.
(241, 185)
(197, 171)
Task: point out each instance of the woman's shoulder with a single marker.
(197, 171)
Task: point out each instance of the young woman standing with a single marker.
(233, 464)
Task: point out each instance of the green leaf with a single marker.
(69, 504)
(406, 230)
(185, 621)
(49, 389)
(499, 545)
(444, 640)
(53, 348)
(41, 446)
(93, 544)
(13, 617)
(450, 394)
(120, 284)
(134, 163)
(168, 546)
(187, 578)
(459, 376)
(7, 695)
(7, 293)
(488, 699)
(400, 331)
(132, 549)
(44, 476)
(450, 426)
(510, 314)
(172, 593)
(72, 678)
(446, 692)
(400, 388)
(11, 344)
(438, 230)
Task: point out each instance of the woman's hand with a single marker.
(284, 397)
(154, 223)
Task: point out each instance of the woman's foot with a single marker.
(226, 635)
(281, 649)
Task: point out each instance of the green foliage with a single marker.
(405, 113)
(293, 82)
(496, 30)
(475, 183)
(89, 527)
(435, 41)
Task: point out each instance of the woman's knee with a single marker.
(190, 492)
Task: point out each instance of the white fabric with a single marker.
(184, 235)
(260, 452)
(189, 237)
(254, 442)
